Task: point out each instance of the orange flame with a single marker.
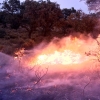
(64, 52)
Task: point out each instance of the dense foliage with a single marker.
(39, 20)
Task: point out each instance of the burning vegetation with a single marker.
(59, 69)
(53, 53)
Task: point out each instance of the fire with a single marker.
(64, 51)
(61, 53)
(64, 58)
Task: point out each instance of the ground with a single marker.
(18, 83)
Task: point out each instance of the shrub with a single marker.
(7, 37)
(19, 41)
(28, 44)
(13, 35)
(2, 33)
(8, 50)
(14, 41)
(1, 47)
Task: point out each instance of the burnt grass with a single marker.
(58, 86)
(19, 84)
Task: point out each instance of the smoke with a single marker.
(60, 62)
(65, 51)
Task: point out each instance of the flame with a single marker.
(61, 52)
(65, 57)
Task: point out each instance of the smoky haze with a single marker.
(25, 76)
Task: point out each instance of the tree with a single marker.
(83, 23)
(50, 14)
(30, 13)
(93, 4)
(11, 6)
(3, 18)
(67, 12)
(12, 10)
(63, 24)
(42, 15)
(15, 21)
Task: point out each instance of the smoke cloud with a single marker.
(46, 63)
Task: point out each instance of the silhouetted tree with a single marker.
(64, 23)
(93, 4)
(12, 9)
(15, 21)
(31, 15)
(67, 12)
(50, 14)
(11, 6)
(82, 22)
(42, 14)
(3, 18)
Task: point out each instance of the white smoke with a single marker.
(21, 73)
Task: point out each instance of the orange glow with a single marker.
(65, 57)
(63, 53)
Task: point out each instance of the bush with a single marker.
(1, 47)
(28, 44)
(13, 35)
(2, 33)
(17, 41)
(7, 37)
(14, 41)
(8, 50)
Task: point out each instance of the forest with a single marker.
(26, 24)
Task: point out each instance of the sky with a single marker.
(68, 4)
(72, 3)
